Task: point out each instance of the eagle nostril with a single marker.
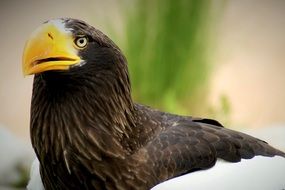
(49, 35)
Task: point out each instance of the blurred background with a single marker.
(222, 59)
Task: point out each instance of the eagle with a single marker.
(88, 133)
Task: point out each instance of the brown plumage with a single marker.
(89, 134)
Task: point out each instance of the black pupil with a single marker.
(81, 41)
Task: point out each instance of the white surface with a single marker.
(14, 156)
(36, 182)
(260, 173)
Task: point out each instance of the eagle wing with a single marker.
(187, 144)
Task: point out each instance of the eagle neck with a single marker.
(67, 116)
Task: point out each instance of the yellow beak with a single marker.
(49, 48)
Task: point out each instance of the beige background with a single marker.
(251, 60)
(250, 56)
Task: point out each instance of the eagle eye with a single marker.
(81, 42)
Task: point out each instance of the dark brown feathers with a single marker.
(88, 134)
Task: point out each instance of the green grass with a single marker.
(167, 48)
